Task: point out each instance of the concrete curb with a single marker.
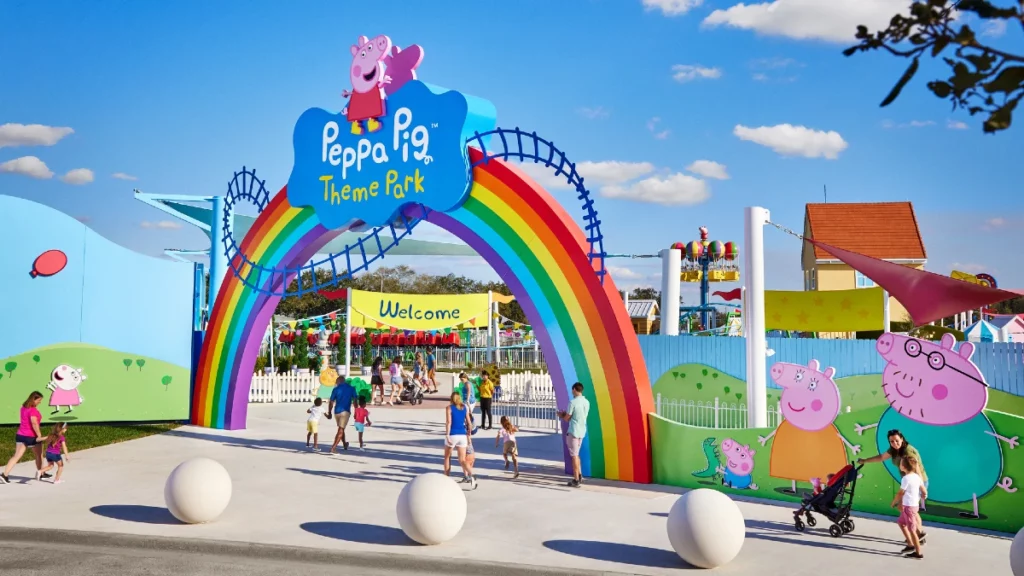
(160, 545)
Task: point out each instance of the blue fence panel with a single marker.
(1001, 363)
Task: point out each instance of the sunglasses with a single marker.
(936, 361)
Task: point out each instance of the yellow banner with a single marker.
(824, 311)
(958, 275)
(417, 311)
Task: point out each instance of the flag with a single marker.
(332, 315)
(291, 325)
(734, 294)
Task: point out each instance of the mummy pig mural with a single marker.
(937, 398)
(807, 444)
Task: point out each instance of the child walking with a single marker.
(507, 436)
(912, 492)
(316, 412)
(56, 452)
(362, 416)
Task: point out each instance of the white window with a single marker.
(863, 281)
(814, 279)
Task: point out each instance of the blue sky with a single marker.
(180, 95)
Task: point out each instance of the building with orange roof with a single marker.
(884, 230)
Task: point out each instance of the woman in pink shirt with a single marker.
(27, 436)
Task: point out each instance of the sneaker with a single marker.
(506, 465)
(516, 475)
(915, 556)
(46, 476)
(573, 483)
(472, 483)
(921, 537)
(465, 480)
(907, 549)
(316, 449)
(4, 479)
(39, 475)
(345, 445)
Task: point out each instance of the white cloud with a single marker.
(687, 72)
(672, 7)
(709, 169)
(993, 28)
(162, 224)
(620, 273)
(27, 166)
(12, 135)
(774, 63)
(673, 190)
(78, 176)
(123, 176)
(828, 20)
(594, 112)
(593, 173)
(993, 223)
(889, 124)
(956, 125)
(789, 140)
(759, 76)
(652, 127)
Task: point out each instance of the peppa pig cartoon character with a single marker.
(64, 382)
(936, 399)
(739, 465)
(807, 444)
(366, 100)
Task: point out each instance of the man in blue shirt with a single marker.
(341, 407)
(576, 416)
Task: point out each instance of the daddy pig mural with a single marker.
(807, 444)
(936, 400)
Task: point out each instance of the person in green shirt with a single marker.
(576, 416)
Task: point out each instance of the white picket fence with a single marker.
(711, 414)
(529, 400)
(291, 387)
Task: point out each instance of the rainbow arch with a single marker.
(533, 245)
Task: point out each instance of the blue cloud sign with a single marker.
(415, 152)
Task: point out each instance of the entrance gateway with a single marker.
(402, 152)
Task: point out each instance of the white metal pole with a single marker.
(886, 312)
(348, 332)
(490, 326)
(272, 344)
(671, 263)
(754, 219)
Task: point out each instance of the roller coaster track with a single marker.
(514, 144)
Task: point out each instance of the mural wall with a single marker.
(934, 393)
(103, 332)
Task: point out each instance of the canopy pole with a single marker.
(348, 332)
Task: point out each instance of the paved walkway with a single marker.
(285, 495)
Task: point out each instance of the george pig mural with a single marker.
(807, 444)
(937, 398)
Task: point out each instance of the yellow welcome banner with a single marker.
(857, 310)
(418, 311)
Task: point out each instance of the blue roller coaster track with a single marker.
(514, 144)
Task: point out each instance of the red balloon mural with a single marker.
(49, 263)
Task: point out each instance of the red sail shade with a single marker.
(927, 296)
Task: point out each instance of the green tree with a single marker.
(127, 363)
(645, 293)
(984, 79)
(140, 362)
(36, 358)
(10, 367)
(166, 380)
(367, 358)
(301, 350)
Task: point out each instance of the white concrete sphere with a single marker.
(431, 508)
(198, 491)
(706, 528)
(1017, 554)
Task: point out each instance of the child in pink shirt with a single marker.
(362, 418)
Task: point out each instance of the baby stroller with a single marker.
(411, 392)
(833, 502)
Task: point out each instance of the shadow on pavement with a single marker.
(620, 553)
(659, 514)
(821, 531)
(360, 533)
(830, 544)
(133, 513)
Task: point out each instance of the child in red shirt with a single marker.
(362, 418)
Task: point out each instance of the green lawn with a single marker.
(80, 437)
(119, 386)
